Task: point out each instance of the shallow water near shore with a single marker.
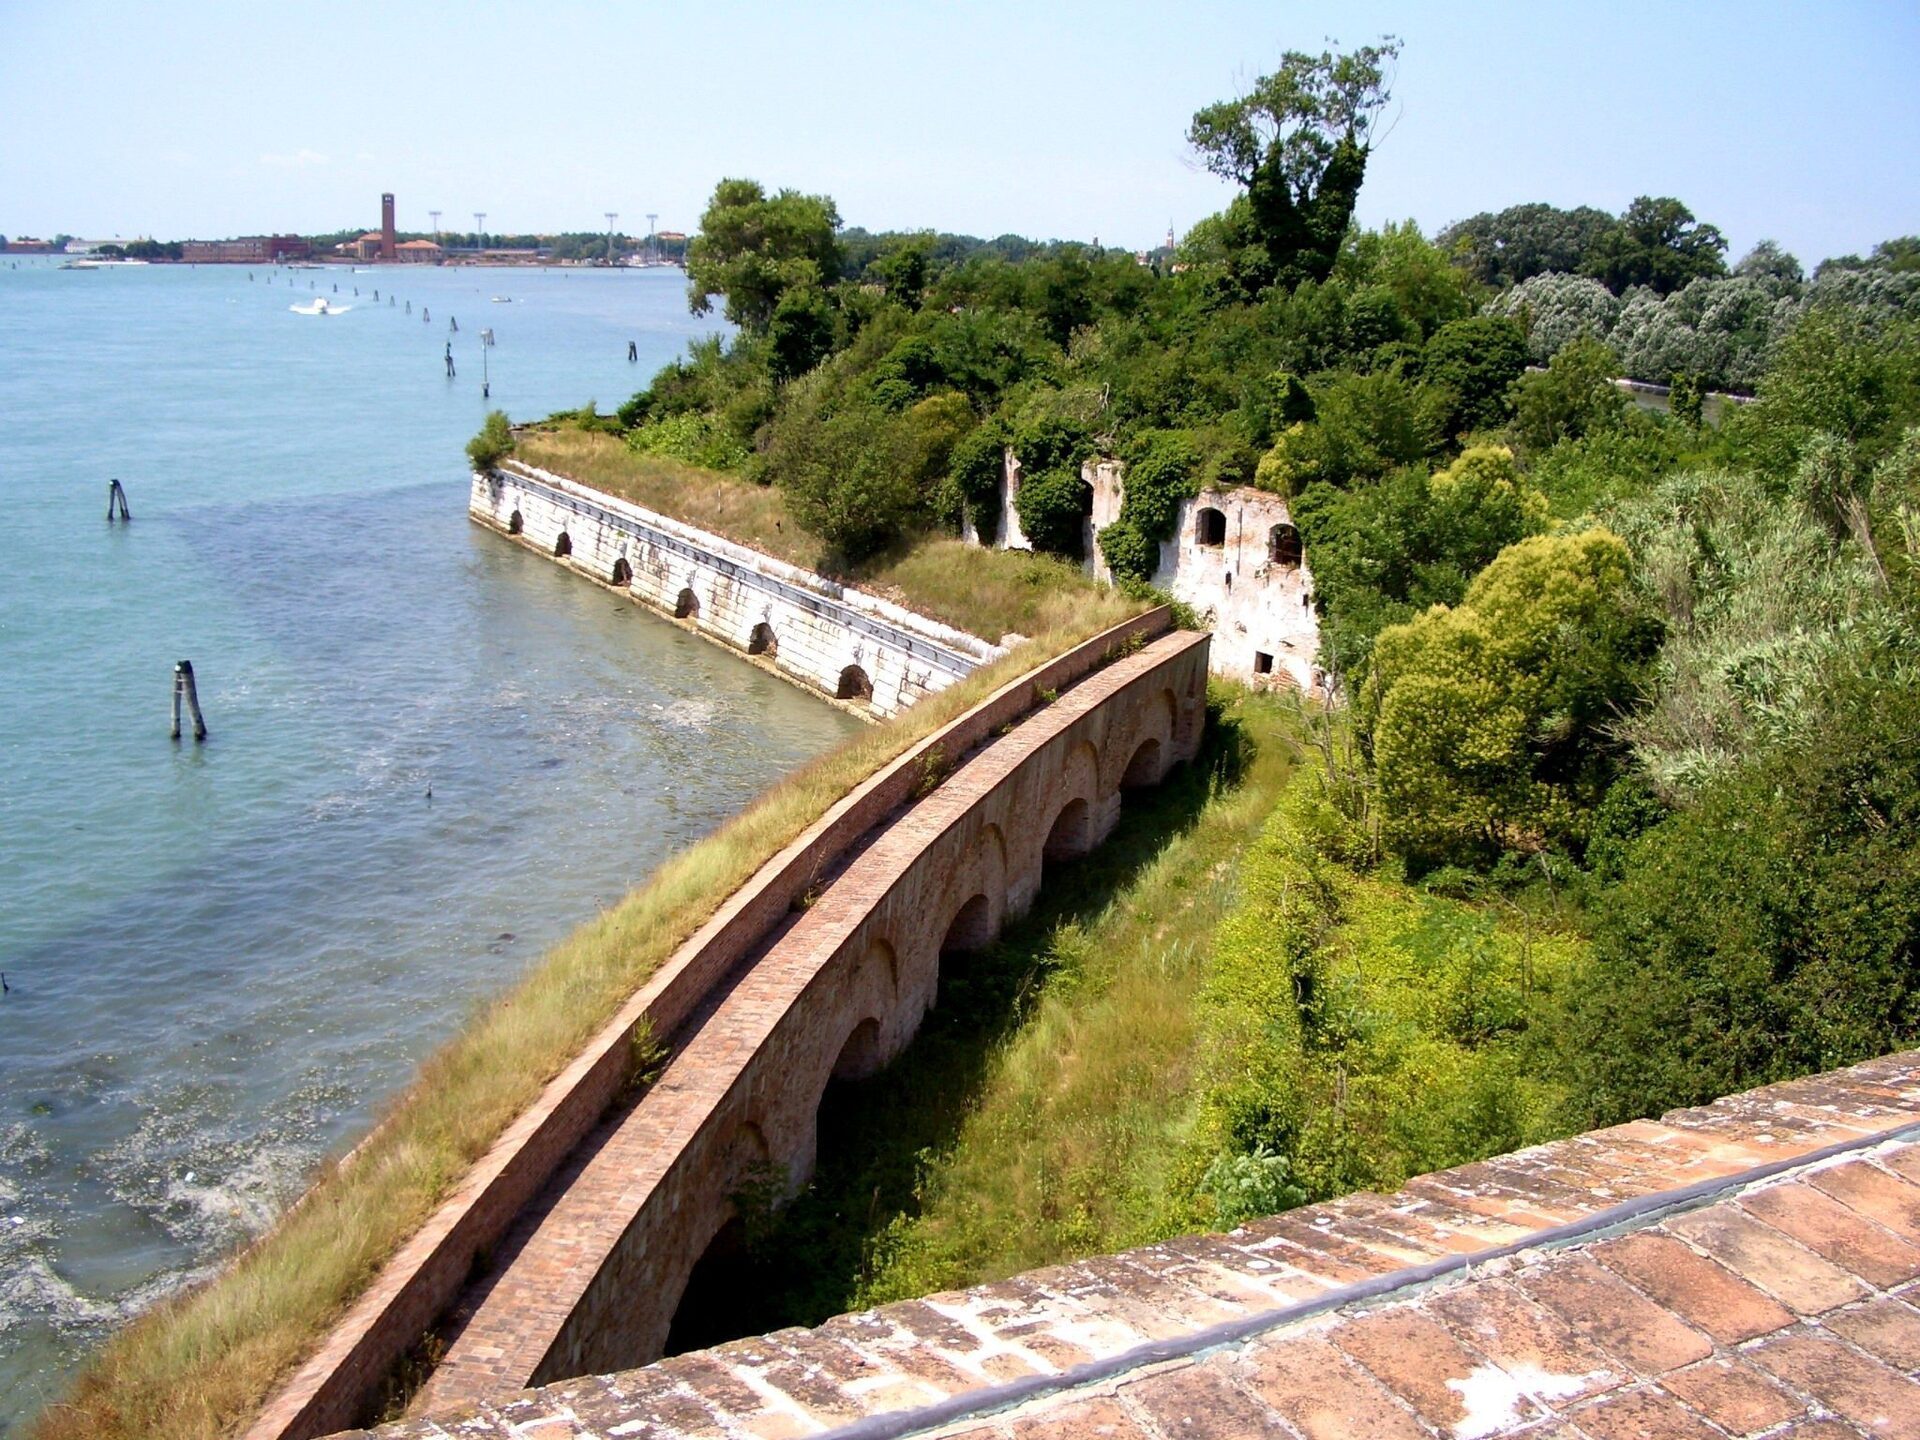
(432, 753)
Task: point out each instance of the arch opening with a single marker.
(1283, 547)
(763, 641)
(516, 523)
(1210, 528)
(564, 545)
(622, 572)
(1071, 835)
(860, 1056)
(855, 684)
(970, 929)
(686, 605)
(1144, 768)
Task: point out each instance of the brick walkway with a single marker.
(1747, 1268)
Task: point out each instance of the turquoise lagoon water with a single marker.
(223, 958)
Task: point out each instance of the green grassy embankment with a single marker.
(1228, 1009)
(1044, 1106)
(988, 593)
(200, 1365)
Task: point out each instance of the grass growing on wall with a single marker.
(202, 1364)
(988, 593)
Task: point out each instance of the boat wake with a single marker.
(320, 307)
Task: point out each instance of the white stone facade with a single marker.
(840, 642)
(1235, 557)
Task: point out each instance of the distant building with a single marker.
(247, 250)
(420, 252)
(367, 247)
(388, 248)
(27, 245)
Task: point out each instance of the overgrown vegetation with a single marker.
(1618, 813)
(201, 1364)
(1620, 810)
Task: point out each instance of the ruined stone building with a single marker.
(1235, 556)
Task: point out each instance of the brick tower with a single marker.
(387, 239)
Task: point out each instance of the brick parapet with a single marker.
(1743, 1268)
(597, 1275)
(425, 1275)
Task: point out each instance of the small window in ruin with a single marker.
(1210, 528)
(1283, 547)
(516, 523)
(1262, 663)
(854, 685)
(622, 572)
(564, 545)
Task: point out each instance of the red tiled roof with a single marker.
(1750, 1268)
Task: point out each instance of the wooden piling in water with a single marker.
(185, 691)
(117, 498)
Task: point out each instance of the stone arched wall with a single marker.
(823, 628)
(596, 1288)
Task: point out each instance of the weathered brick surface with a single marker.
(1707, 1322)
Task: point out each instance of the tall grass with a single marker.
(1043, 1110)
(202, 1364)
(988, 593)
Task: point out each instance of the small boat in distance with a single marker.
(320, 306)
(99, 264)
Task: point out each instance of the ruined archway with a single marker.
(1283, 547)
(763, 641)
(516, 522)
(1210, 528)
(686, 605)
(1145, 766)
(860, 1055)
(1071, 835)
(564, 545)
(622, 572)
(855, 684)
(971, 927)
(704, 1313)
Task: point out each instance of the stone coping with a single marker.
(1749, 1267)
(426, 1274)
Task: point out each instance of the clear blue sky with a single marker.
(1796, 122)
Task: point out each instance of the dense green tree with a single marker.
(1770, 929)
(1522, 241)
(1383, 553)
(1656, 243)
(753, 248)
(1476, 360)
(1573, 397)
(1488, 720)
(1298, 141)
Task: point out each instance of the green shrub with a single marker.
(1574, 396)
(1489, 721)
(1053, 507)
(493, 444)
(1767, 930)
(691, 436)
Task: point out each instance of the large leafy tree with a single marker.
(1298, 141)
(1657, 243)
(1522, 241)
(754, 249)
(1489, 720)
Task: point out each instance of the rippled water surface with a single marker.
(222, 958)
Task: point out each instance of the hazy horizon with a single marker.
(1058, 122)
